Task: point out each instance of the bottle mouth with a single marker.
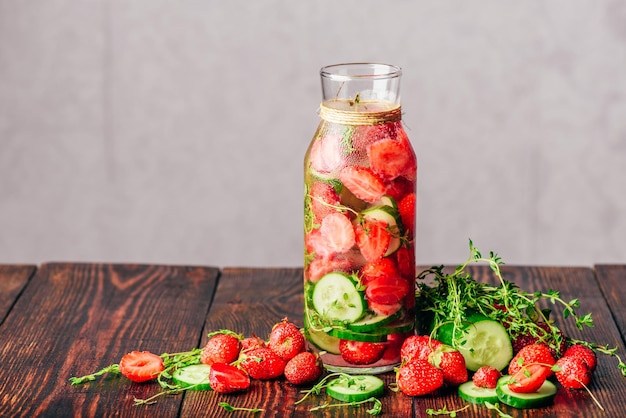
(360, 70)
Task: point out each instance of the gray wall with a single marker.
(173, 131)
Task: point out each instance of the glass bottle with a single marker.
(360, 174)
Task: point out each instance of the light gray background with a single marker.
(174, 131)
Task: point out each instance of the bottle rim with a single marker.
(360, 70)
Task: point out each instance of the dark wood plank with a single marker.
(612, 282)
(74, 319)
(13, 278)
(608, 385)
(250, 301)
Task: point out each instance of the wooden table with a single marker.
(60, 320)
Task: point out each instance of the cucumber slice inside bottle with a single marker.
(336, 298)
(482, 343)
(346, 334)
(372, 322)
(355, 388)
(390, 216)
(193, 377)
(544, 396)
(474, 394)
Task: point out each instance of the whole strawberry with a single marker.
(361, 353)
(418, 347)
(585, 353)
(262, 363)
(525, 338)
(286, 340)
(250, 343)
(418, 378)
(452, 364)
(223, 347)
(304, 368)
(486, 377)
(531, 354)
(572, 372)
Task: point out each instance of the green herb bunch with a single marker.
(453, 297)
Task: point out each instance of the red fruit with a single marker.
(286, 340)
(586, 354)
(390, 158)
(452, 364)
(320, 266)
(394, 344)
(572, 372)
(250, 343)
(225, 378)
(323, 197)
(316, 244)
(400, 187)
(418, 347)
(380, 268)
(383, 309)
(222, 347)
(325, 156)
(304, 368)
(366, 135)
(262, 364)
(418, 378)
(529, 378)
(486, 377)
(373, 239)
(338, 232)
(359, 353)
(363, 183)
(406, 261)
(141, 366)
(406, 207)
(531, 354)
(387, 290)
(544, 337)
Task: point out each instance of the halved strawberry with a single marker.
(363, 183)
(383, 309)
(141, 366)
(225, 378)
(390, 158)
(319, 266)
(405, 259)
(400, 187)
(382, 267)
(326, 155)
(372, 238)
(387, 290)
(338, 232)
(323, 197)
(529, 378)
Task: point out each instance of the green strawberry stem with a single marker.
(113, 369)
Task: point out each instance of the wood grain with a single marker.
(13, 278)
(74, 319)
(612, 282)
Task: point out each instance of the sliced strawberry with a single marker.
(360, 353)
(406, 207)
(390, 158)
(141, 366)
(405, 257)
(323, 197)
(225, 378)
(384, 309)
(382, 267)
(400, 187)
(373, 238)
(326, 155)
(316, 244)
(338, 232)
(529, 378)
(363, 183)
(320, 266)
(387, 290)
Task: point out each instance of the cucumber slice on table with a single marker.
(474, 394)
(390, 216)
(355, 388)
(482, 343)
(336, 298)
(194, 377)
(542, 397)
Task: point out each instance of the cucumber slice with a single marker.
(336, 298)
(389, 201)
(397, 327)
(542, 397)
(323, 341)
(355, 388)
(346, 334)
(373, 322)
(194, 377)
(390, 216)
(482, 343)
(472, 393)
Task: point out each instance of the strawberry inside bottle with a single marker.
(360, 174)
